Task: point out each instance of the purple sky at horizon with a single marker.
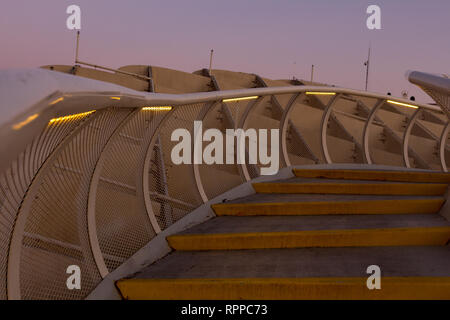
(274, 38)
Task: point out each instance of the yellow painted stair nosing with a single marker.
(351, 188)
(414, 236)
(391, 206)
(436, 288)
(376, 175)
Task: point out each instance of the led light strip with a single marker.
(157, 108)
(70, 117)
(403, 104)
(240, 99)
(115, 98)
(320, 93)
(23, 123)
(56, 101)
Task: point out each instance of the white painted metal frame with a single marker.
(324, 126)
(407, 135)
(366, 130)
(242, 125)
(198, 180)
(67, 95)
(91, 217)
(442, 146)
(284, 126)
(145, 187)
(15, 248)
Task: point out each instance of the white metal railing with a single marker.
(86, 176)
(437, 86)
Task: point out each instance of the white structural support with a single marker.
(198, 180)
(437, 86)
(80, 158)
(91, 217)
(442, 147)
(366, 131)
(144, 179)
(15, 248)
(242, 125)
(284, 127)
(407, 135)
(324, 127)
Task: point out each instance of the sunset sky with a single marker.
(274, 38)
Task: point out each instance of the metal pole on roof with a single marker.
(367, 64)
(210, 61)
(78, 45)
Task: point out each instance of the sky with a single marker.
(273, 38)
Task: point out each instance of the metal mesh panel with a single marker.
(267, 115)
(211, 174)
(56, 227)
(299, 146)
(425, 141)
(15, 181)
(298, 150)
(122, 222)
(236, 110)
(309, 128)
(261, 118)
(386, 137)
(50, 182)
(173, 190)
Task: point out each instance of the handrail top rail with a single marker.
(27, 91)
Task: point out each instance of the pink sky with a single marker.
(276, 38)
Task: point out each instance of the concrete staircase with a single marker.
(313, 237)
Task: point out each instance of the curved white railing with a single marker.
(86, 177)
(437, 87)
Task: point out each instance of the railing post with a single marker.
(324, 126)
(283, 128)
(195, 167)
(15, 248)
(407, 135)
(242, 124)
(91, 217)
(442, 146)
(366, 130)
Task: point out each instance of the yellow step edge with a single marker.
(403, 206)
(401, 176)
(352, 188)
(422, 236)
(392, 288)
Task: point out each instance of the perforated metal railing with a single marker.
(89, 179)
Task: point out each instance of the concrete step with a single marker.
(324, 186)
(235, 233)
(320, 204)
(306, 273)
(378, 175)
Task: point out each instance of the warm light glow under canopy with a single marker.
(321, 93)
(403, 104)
(56, 101)
(23, 123)
(240, 99)
(115, 98)
(71, 117)
(157, 108)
